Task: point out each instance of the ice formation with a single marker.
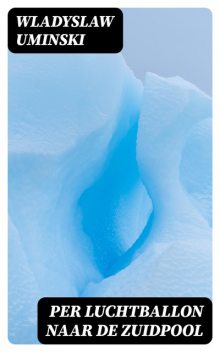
(109, 184)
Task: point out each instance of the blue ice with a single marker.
(109, 184)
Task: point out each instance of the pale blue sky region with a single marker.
(170, 42)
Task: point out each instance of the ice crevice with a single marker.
(109, 184)
(105, 212)
(178, 244)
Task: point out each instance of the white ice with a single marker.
(109, 184)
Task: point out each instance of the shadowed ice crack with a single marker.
(117, 193)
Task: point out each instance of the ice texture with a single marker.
(175, 260)
(109, 184)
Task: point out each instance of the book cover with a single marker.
(109, 175)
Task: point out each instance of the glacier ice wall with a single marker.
(176, 257)
(109, 184)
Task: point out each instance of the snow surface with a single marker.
(109, 184)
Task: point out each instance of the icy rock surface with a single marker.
(196, 167)
(176, 257)
(109, 184)
(73, 177)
